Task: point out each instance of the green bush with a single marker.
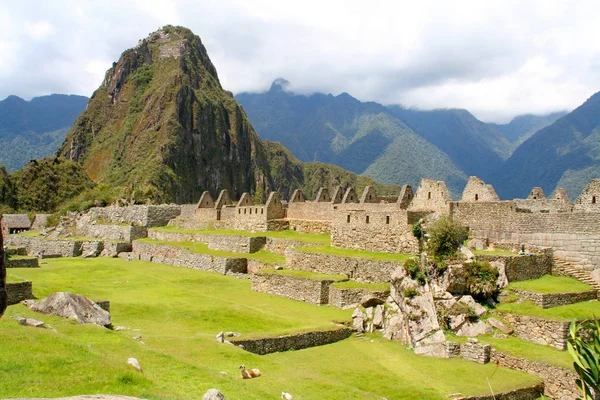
(445, 237)
(481, 279)
(413, 267)
(417, 230)
(411, 292)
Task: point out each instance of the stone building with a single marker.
(15, 223)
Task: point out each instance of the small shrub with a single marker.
(417, 230)
(413, 267)
(410, 292)
(445, 237)
(441, 266)
(481, 279)
(53, 220)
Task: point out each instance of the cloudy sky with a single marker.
(495, 58)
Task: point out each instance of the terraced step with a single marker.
(568, 269)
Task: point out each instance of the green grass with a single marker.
(15, 257)
(577, 311)
(376, 287)
(514, 346)
(336, 251)
(323, 239)
(305, 274)
(552, 284)
(12, 278)
(495, 252)
(31, 233)
(178, 312)
(202, 248)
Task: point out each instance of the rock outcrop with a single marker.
(69, 305)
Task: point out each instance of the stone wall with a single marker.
(30, 262)
(139, 215)
(547, 300)
(528, 267)
(477, 352)
(18, 291)
(358, 269)
(179, 257)
(311, 210)
(589, 200)
(308, 226)
(238, 244)
(115, 232)
(251, 218)
(559, 383)
(478, 190)
(350, 298)
(279, 246)
(527, 393)
(303, 289)
(384, 228)
(539, 330)
(293, 342)
(51, 248)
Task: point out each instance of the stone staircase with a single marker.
(565, 268)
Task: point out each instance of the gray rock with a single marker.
(454, 280)
(220, 337)
(456, 321)
(359, 324)
(378, 317)
(476, 244)
(474, 329)
(467, 253)
(30, 322)
(470, 302)
(501, 326)
(232, 334)
(134, 363)
(69, 305)
(358, 313)
(370, 301)
(502, 281)
(595, 275)
(213, 394)
(370, 311)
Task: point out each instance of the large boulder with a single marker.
(69, 305)
(476, 244)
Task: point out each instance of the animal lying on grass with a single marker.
(249, 373)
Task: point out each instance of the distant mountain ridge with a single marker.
(34, 129)
(564, 154)
(522, 127)
(365, 138)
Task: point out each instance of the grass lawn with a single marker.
(305, 274)
(321, 238)
(552, 284)
(14, 257)
(578, 311)
(495, 252)
(178, 312)
(379, 287)
(336, 251)
(202, 248)
(514, 346)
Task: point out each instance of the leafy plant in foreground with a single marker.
(586, 356)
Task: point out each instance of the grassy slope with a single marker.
(305, 274)
(552, 284)
(578, 311)
(178, 315)
(336, 251)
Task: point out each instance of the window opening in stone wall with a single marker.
(593, 199)
(367, 219)
(244, 211)
(348, 219)
(239, 211)
(387, 219)
(476, 197)
(534, 197)
(250, 211)
(428, 195)
(351, 197)
(370, 197)
(256, 210)
(262, 210)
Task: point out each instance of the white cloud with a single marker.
(38, 30)
(495, 58)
